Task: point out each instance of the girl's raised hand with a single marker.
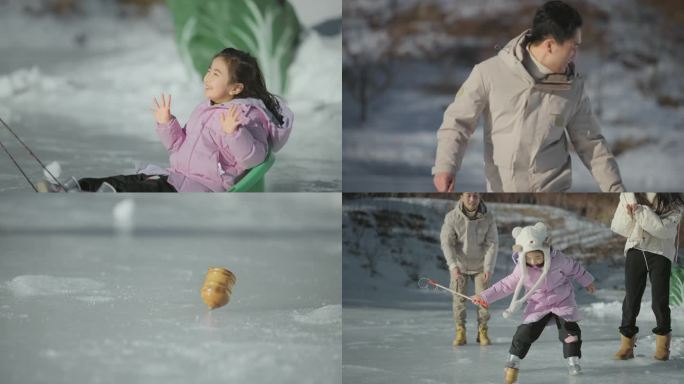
(231, 120)
(162, 112)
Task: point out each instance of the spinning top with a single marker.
(218, 285)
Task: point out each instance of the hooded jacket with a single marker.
(206, 159)
(555, 293)
(528, 127)
(470, 244)
(647, 230)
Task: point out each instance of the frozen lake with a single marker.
(394, 332)
(106, 289)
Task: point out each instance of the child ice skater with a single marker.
(226, 135)
(545, 272)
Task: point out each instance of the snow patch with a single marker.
(123, 215)
(28, 79)
(329, 314)
(41, 285)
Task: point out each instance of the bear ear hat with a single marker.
(540, 226)
(516, 231)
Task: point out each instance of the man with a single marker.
(470, 243)
(532, 102)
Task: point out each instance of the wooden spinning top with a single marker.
(217, 288)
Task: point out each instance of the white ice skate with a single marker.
(574, 368)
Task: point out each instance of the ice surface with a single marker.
(81, 302)
(394, 332)
(79, 91)
(32, 285)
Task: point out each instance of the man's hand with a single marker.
(485, 277)
(455, 274)
(631, 208)
(444, 182)
(591, 288)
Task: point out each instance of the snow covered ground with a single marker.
(394, 149)
(104, 289)
(78, 89)
(394, 332)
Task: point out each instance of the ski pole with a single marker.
(18, 167)
(437, 285)
(33, 155)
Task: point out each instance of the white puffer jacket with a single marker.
(646, 230)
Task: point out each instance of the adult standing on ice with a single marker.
(650, 222)
(469, 242)
(531, 98)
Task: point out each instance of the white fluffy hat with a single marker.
(531, 238)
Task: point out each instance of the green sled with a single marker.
(253, 181)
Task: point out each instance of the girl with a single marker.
(229, 133)
(650, 222)
(545, 273)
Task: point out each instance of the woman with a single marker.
(650, 222)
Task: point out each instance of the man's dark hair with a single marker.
(554, 19)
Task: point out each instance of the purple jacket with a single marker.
(205, 159)
(555, 294)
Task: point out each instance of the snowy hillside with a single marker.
(78, 89)
(394, 332)
(100, 289)
(410, 57)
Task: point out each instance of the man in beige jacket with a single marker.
(533, 103)
(470, 243)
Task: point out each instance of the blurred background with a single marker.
(77, 80)
(404, 61)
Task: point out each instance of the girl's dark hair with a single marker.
(244, 69)
(664, 202)
(556, 19)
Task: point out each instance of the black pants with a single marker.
(529, 333)
(658, 268)
(129, 183)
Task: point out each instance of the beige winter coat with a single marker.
(470, 244)
(526, 128)
(646, 230)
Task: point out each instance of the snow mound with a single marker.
(123, 215)
(317, 65)
(607, 309)
(24, 80)
(329, 314)
(41, 285)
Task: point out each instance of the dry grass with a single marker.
(623, 145)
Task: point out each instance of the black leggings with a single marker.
(569, 334)
(640, 264)
(129, 183)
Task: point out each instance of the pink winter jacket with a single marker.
(206, 159)
(555, 294)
